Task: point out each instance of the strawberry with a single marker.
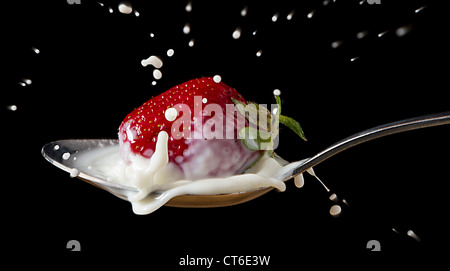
(199, 153)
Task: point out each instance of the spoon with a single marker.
(62, 154)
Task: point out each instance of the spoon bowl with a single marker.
(63, 155)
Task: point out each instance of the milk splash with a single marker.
(156, 180)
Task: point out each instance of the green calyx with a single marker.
(263, 129)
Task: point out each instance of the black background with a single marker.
(88, 76)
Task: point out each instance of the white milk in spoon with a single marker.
(157, 180)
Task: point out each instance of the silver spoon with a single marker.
(63, 153)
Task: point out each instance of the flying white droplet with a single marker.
(345, 202)
(191, 43)
(333, 197)
(187, 28)
(170, 52)
(244, 11)
(136, 13)
(254, 32)
(110, 10)
(259, 53)
(336, 44)
(56, 147)
(335, 210)
(275, 17)
(299, 181)
(290, 15)
(237, 33)
(412, 234)
(35, 50)
(362, 34)
(27, 81)
(153, 83)
(217, 78)
(125, 7)
(152, 60)
(152, 35)
(354, 59)
(188, 7)
(420, 9)
(12, 107)
(311, 14)
(204, 100)
(276, 92)
(382, 34)
(171, 114)
(403, 30)
(157, 74)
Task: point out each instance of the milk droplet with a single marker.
(157, 74)
(311, 172)
(171, 114)
(136, 13)
(299, 181)
(125, 7)
(420, 9)
(362, 34)
(410, 233)
(276, 92)
(335, 210)
(290, 15)
(217, 78)
(275, 17)
(66, 155)
(336, 44)
(382, 34)
(170, 52)
(56, 147)
(354, 59)
(12, 107)
(26, 81)
(153, 83)
(74, 172)
(110, 10)
(237, 33)
(244, 11)
(259, 53)
(345, 202)
(152, 60)
(333, 197)
(191, 43)
(152, 35)
(204, 100)
(188, 7)
(403, 30)
(187, 28)
(35, 50)
(311, 14)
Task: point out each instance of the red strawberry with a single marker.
(196, 153)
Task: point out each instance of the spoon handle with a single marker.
(373, 133)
